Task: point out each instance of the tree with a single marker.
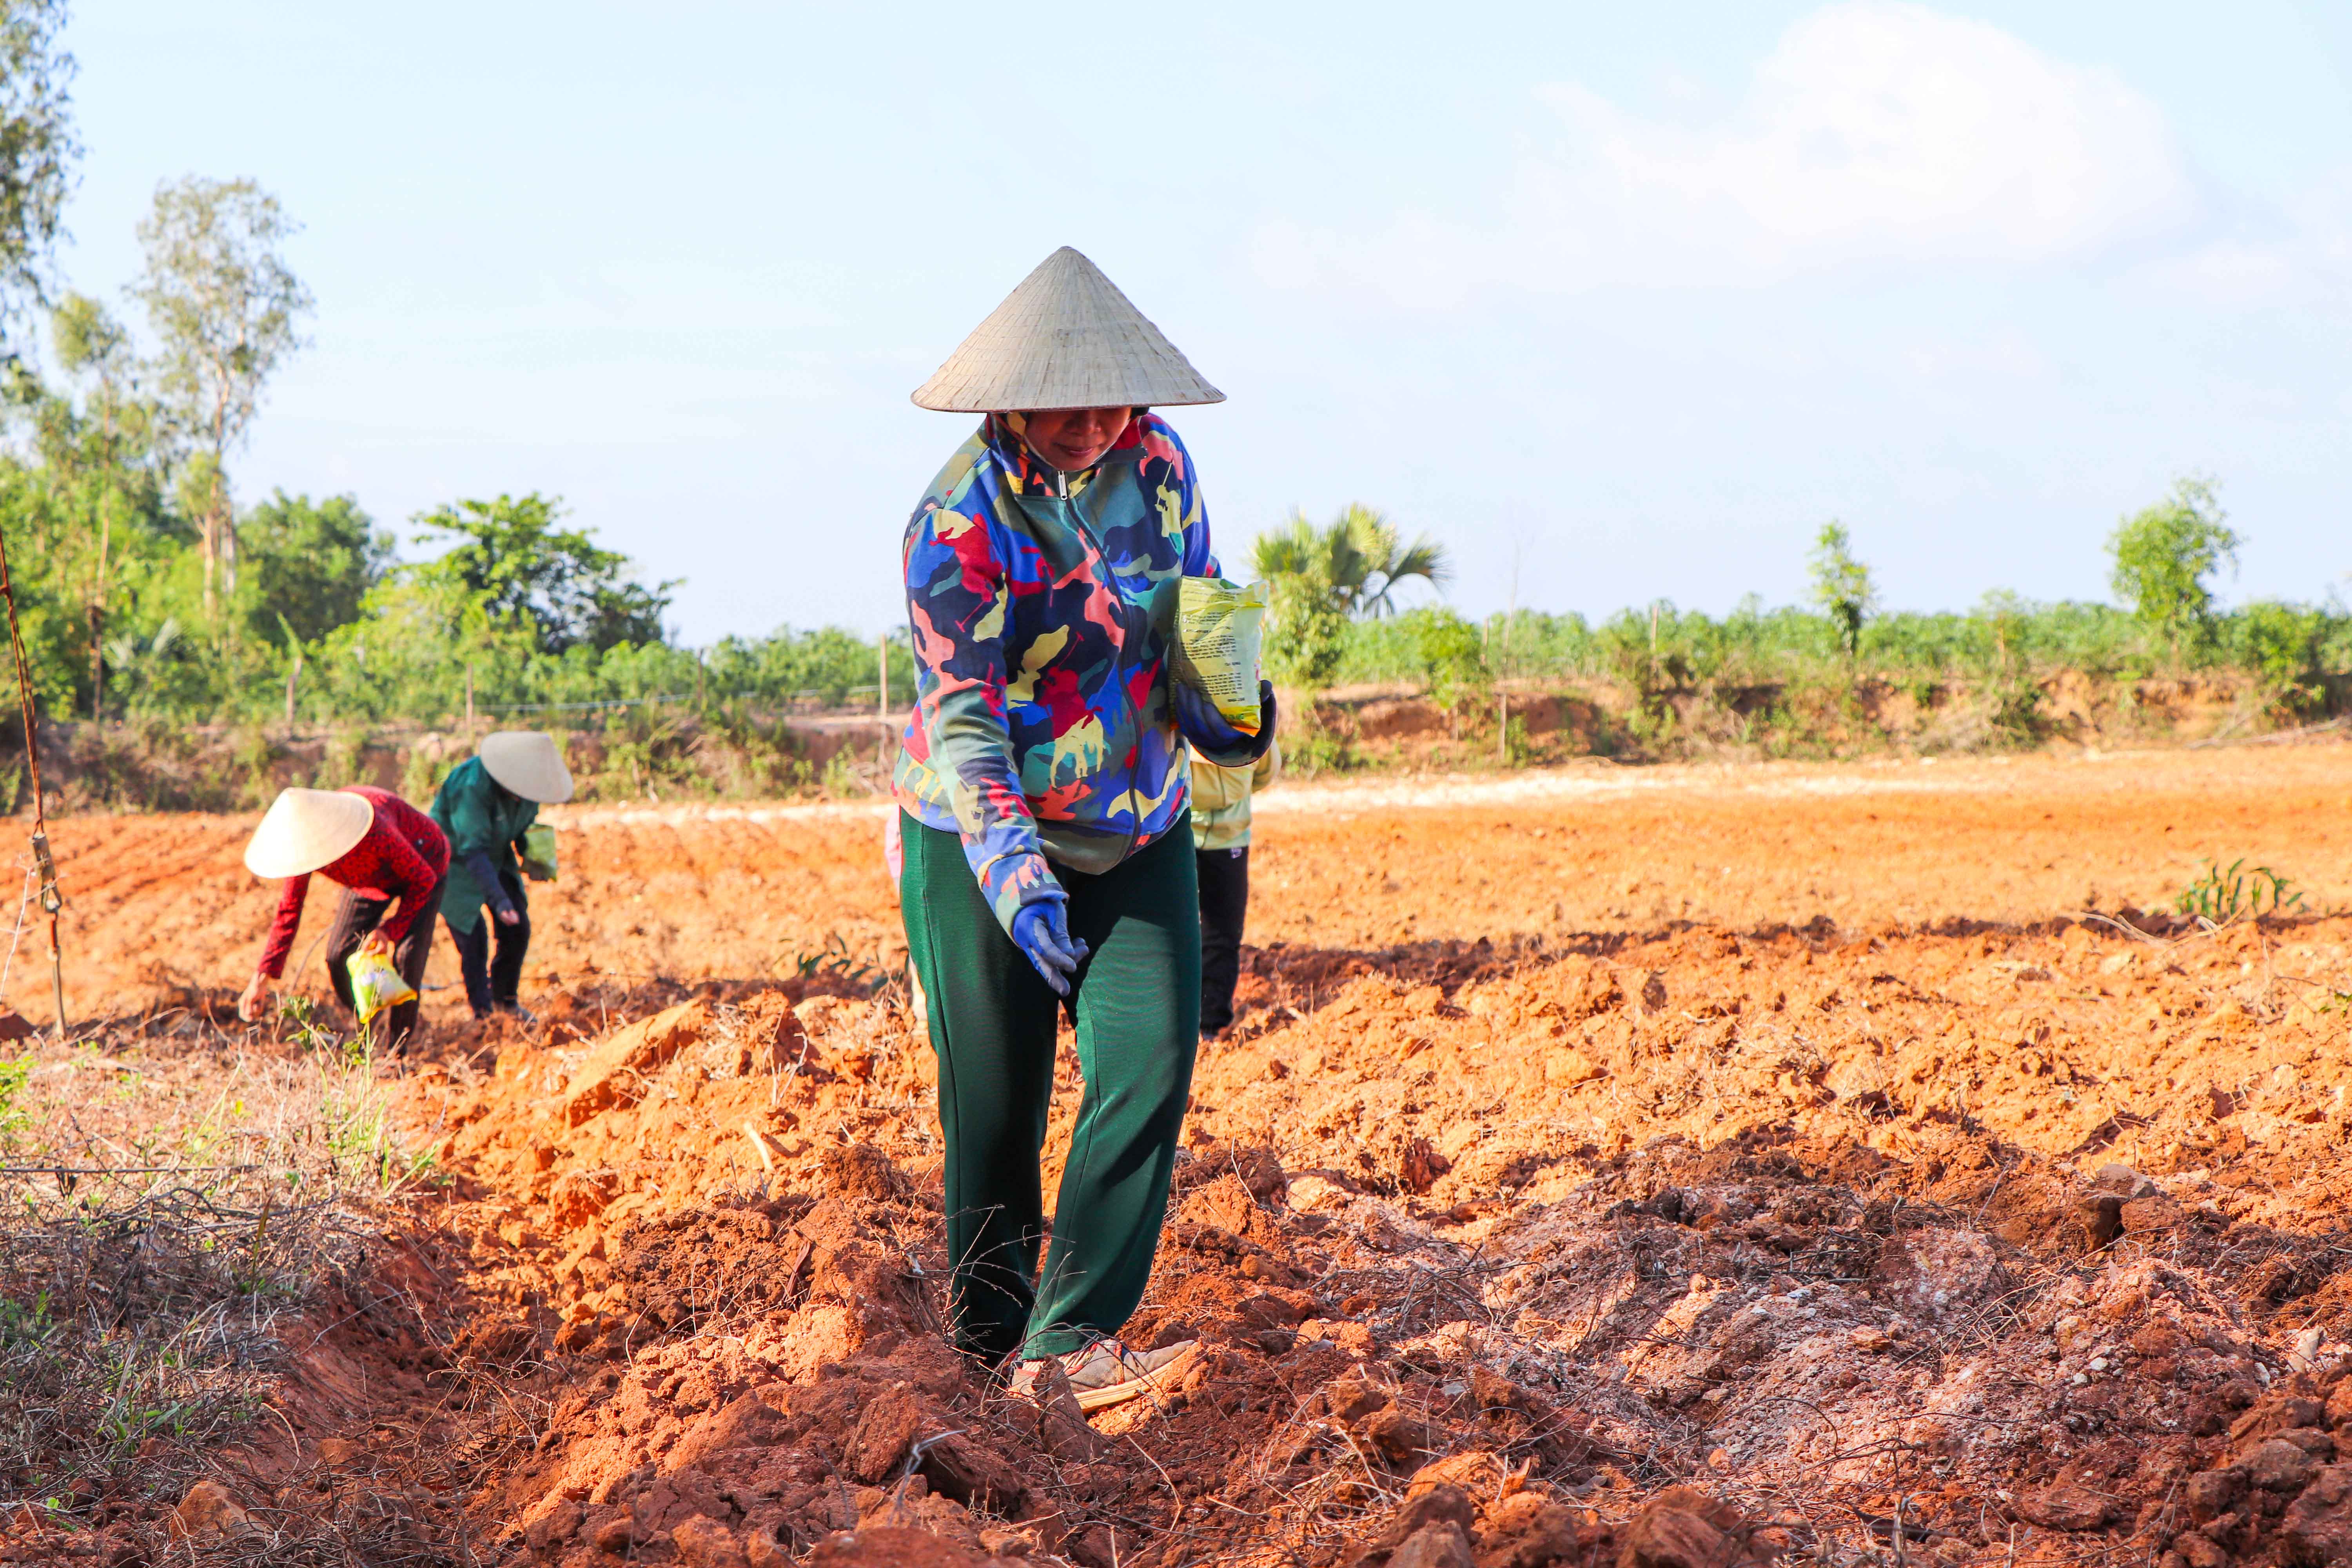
(1453, 656)
(224, 307)
(1358, 557)
(1317, 578)
(92, 345)
(114, 430)
(1306, 632)
(313, 563)
(37, 149)
(512, 560)
(1842, 585)
(2163, 556)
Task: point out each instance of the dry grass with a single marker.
(170, 1193)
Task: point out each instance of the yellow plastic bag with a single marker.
(377, 985)
(539, 852)
(1218, 627)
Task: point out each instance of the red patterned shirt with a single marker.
(403, 857)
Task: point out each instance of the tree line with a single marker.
(148, 591)
(1334, 620)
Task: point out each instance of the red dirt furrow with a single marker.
(1695, 1166)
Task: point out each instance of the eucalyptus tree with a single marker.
(226, 310)
(102, 454)
(39, 150)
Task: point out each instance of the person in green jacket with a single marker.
(487, 806)
(1221, 836)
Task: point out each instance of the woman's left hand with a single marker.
(1198, 716)
(376, 941)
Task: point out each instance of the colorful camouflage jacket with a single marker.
(1041, 605)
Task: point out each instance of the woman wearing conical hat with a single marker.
(487, 806)
(383, 852)
(1048, 856)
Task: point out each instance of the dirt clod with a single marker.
(890, 1546)
(878, 1444)
(1683, 1527)
(862, 1171)
(2066, 1507)
(208, 1510)
(706, 1543)
(1439, 1545)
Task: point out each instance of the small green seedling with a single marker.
(834, 961)
(2224, 893)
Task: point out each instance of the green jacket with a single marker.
(481, 818)
(1221, 798)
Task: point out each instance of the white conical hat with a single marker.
(526, 762)
(305, 829)
(1066, 339)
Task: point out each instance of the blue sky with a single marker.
(1620, 301)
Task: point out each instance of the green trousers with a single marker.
(1137, 1006)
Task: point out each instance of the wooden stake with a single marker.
(47, 868)
(51, 901)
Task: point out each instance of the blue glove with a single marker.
(1042, 930)
(1198, 722)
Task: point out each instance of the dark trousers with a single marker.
(1224, 901)
(492, 982)
(993, 1021)
(355, 917)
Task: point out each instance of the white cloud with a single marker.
(1874, 132)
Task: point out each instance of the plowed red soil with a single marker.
(160, 904)
(1671, 1166)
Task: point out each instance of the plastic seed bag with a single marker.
(377, 984)
(1218, 627)
(539, 852)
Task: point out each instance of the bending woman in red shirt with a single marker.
(381, 850)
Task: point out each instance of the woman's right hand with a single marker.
(255, 998)
(1042, 930)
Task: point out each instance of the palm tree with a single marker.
(1357, 559)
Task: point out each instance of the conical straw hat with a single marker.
(305, 829)
(526, 762)
(1066, 339)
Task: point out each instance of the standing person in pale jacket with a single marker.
(1220, 838)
